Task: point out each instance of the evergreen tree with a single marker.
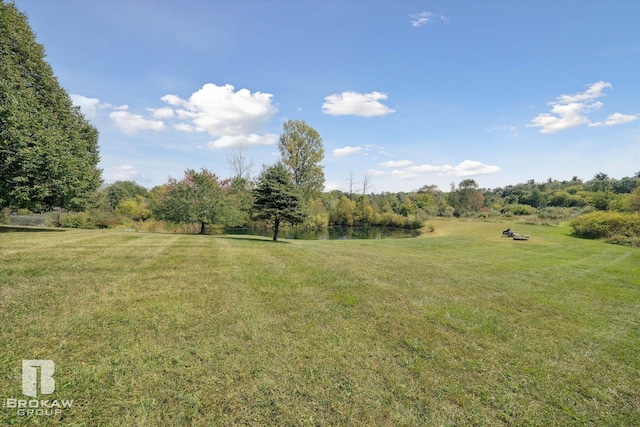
(48, 151)
(276, 198)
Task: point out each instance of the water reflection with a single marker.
(332, 233)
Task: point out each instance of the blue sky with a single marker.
(410, 93)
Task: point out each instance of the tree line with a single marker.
(49, 157)
(273, 198)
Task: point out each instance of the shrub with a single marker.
(559, 213)
(76, 220)
(624, 240)
(610, 225)
(4, 215)
(518, 209)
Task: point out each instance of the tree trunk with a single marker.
(276, 226)
(202, 227)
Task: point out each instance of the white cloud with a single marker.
(88, 106)
(244, 140)
(234, 117)
(616, 119)
(396, 163)
(427, 168)
(356, 104)
(183, 127)
(172, 100)
(594, 91)
(221, 111)
(465, 168)
(162, 113)
(422, 18)
(569, 111)
(331, 185)
(132, 123)
(513, 130)
(562, 117)
(403, 174)
(375, 172)
(347, 151)
(123, 173)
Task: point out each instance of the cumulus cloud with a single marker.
(347, 151)
(244, 140)
(221, 111)
(464, 168)
(162, 113)
(396, 163)
(183, 127)
(88, 106)
(130, 124)
(616, 119)
(233, 117)
(172, 100)
(403, 174)
(356, 104)
(569, 111)
(422, 18)
(594, 91)
(123, 173)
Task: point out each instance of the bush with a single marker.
(4, 215)
(518, 209)
(76, 220)
(106, 222)
(624, 240)
(560, 213)
(607, 225)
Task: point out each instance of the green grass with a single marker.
(459, 327)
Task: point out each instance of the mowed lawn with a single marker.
(457, 327)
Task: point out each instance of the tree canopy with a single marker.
(200, 197)
(276, 198)
(302, 151)
(48, 151)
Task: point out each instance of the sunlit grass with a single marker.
(460, 327)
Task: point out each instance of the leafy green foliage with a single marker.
(277, 199)
(200, 197)
(467, 197)
(633, 202)
(598, 225)
(301, 152)
(121, 190)
(135, 208)
(518, 209)
(48, 151)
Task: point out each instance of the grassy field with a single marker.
(458, 327)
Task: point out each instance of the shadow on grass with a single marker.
(251, 239)
(14, 229)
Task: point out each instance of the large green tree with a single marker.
(467, 198)
(48, 151)
(276, 198)
(122, 190)
(302, 151)
(200, 197)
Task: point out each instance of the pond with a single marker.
(332, 233)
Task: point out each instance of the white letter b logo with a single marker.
(30, 377)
